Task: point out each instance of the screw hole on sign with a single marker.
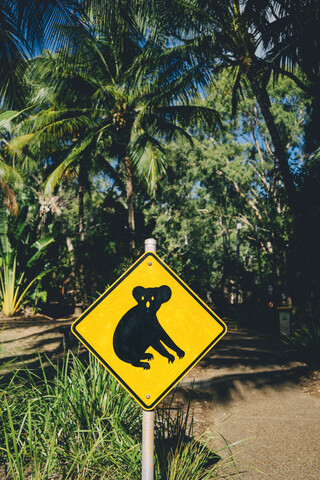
(148, 396)
(149, 263)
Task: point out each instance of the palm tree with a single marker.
(125, 96)
(10, 179)
(292, 41)
(228, 34)
(24, 27)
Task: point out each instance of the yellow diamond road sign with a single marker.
(149, 329)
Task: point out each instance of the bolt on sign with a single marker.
(149, 329)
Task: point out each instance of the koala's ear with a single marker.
(164, 293)
(138, 293)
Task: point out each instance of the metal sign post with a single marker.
(148, 415)
(147, 444)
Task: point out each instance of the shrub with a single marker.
(304, 345)
(75, 421)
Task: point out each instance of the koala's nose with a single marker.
(148, 304)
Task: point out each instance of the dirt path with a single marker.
(245, 391)
(23, 337)
(242, 388)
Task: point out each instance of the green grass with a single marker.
(74, 421)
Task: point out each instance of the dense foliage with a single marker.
(192, 122)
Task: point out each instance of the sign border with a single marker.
(110, 369)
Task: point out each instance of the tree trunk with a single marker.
(81, 180)
(73, 261)
(83, 297)
(81, 213)
(279, 150)
(130, 200)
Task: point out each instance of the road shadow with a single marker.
(227, 388)
(22, 340)
(245, 349)
(240, 363)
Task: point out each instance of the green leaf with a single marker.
(76, 152)
(10, 175)
(7, 116)
(40, 245)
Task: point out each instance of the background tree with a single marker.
(104, 109)
(255, 42)
(132, 105)
(224, 181)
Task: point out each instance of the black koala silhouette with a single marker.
(140, 329)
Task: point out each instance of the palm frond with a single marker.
(159, 126)
(10, 175)
(108, 92)
(149, 159)
(196, 116)
(40, 19)
(17, 144)
(10, 180)
(51, 127)
(6, 117)
(78, 150)
(13, 60)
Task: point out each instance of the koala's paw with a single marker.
(145, 365)
(180, 353)
(148, 356)
(171, 359)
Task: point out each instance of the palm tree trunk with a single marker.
(82, 180)
(130, 200)
(81, 213)
(73, 261)
(83, 297)
(280, 152)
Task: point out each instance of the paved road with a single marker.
(243, 389)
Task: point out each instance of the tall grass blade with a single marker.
(14, 460)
